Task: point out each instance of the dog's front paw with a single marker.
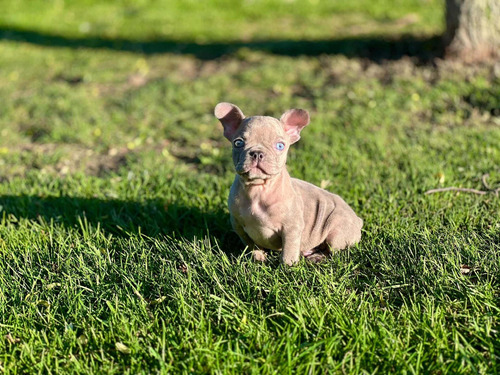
(290, 260)
(259, 255)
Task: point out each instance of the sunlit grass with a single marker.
(115, 249)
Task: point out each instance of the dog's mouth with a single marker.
(253, 180)
(254, 174)
(254, 170)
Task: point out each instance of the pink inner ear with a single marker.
(222, 110)
(294, 120)
(230, 117)
(293, 133)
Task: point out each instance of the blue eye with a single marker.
(280, 146)
(239, 143)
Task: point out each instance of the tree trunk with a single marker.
(473, 29)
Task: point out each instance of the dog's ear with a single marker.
(230, 117)
(294, 120)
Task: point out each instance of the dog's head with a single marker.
(260, 143)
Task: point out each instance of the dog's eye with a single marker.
(280, 146)
(239, 143)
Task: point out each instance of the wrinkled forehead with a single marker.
(261, 128)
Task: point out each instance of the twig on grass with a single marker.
(467, 190)
(463, 190)
(485, 183)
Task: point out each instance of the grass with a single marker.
(115, 253)
(219, 20)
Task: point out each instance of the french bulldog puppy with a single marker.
(269, 209)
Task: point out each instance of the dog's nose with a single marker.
(257, 155)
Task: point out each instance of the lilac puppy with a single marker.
(271, 210)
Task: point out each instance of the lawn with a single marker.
(116, 254)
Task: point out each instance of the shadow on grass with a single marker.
(153, 218)
(373, 48)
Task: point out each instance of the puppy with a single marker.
(268, 208)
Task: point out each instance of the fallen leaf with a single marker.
(441, 177)
(43, 303)
(83, 340)
(158, 301)
(325, 183)
(464, 269)
(52, 286)
(121, 347)
(12, 340)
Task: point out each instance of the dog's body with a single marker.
(271, 210)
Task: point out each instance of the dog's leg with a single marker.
(291, 245)
(345, 232)
(242, 234)
(258, 255)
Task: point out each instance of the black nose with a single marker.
(257, 155)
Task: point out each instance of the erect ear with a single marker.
(294, 120)
(230, 117)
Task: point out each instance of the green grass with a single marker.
(115, 249)
(219, 20)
